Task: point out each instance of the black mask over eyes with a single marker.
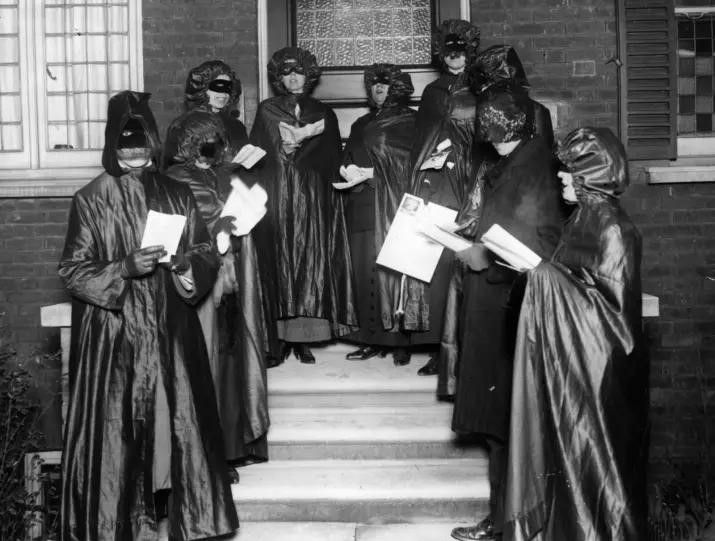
(454, 43)
(380, 78)
(221, 85)
(133, 135)
(211, 149)
(290, 65)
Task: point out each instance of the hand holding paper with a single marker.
(295, 135)
(163, 230)
(437, 159)
(510, 249)
(247, 205)
(353, 176)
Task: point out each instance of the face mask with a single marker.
(291, 66)
(381, 78)
(221, 85)
(454, 44)
(211, 149)
(132, 135)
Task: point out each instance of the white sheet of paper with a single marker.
(406, 249)
(249, 155)
(163, 229)
(510, 249)
(247, 205)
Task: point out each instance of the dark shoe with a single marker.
(400, 356)
(431, 368)
(233, 476)
(285, 351)
(304, 354)
(272, 361)
(363, 353)
(483, 530)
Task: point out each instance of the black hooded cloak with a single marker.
(381, 139)
(307, 255)
(238, 334)
(579, 431)
(446, 111)
(132, 341)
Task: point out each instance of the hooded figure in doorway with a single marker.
(142, 418)
(579, 429)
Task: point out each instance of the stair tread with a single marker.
(344, 531)
(412, 479)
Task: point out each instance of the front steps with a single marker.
(360, 450)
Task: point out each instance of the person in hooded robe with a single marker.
(232, 317)
(304, 231)
(522, 195)
(498, 66)
(446, 112)
(142, 427)
(579, 429)
(381, 140)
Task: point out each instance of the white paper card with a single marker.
(510, 249)
(248, 156)
(406, 249)
(247, 205)
(165, 230)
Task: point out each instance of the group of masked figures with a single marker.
(169, 356)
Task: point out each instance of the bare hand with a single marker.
(142, 261)
(475, 257)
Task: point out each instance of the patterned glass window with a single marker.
(696, 40)
(86, 47)
(11, 129)
(361, 32)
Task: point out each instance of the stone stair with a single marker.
(360, 451)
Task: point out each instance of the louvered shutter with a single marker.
(649, 78)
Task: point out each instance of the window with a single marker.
(60, 61)
(696, 100)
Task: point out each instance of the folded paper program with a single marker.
(510, 249)
(353, 176)
(247, 206)
(248, 156)
(296, 135)
(163, 230)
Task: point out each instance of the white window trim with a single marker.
(696, 155)
(33, 173)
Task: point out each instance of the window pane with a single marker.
(97, 48)
(118, 77)
(10, 137)
(10, 97)
(9, 79)
(10, 108)
(360, 32)
(9, 49)
(118, 47)
(695, 74)
(8, 20)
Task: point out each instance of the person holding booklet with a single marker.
(143, 452)
(442, 169)
(379, 145)
(579, 429)
(521, 194)
(232, 317)
(307, 255)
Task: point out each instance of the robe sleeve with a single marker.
(85, 274)
(201, 254)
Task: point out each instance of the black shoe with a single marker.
(431, 368)
(483, 530)
(401, 357)
(285, 351)
(273, 361)
(303, 353)
(233, 476)
(363, 353)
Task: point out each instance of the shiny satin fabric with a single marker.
(304, 232)
(124, 334)
(234, 324)
(579, 432)
(446, 111)
(382, 139)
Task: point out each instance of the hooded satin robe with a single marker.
(579, 430)
(128, 335)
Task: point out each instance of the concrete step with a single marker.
(368, 432)
(344, 531)
(365, 491)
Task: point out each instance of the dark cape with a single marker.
(243, 339)
(521, 194)
(307, 256)
(579, 432)
(381, 139)
(128, 337)
(447, 110)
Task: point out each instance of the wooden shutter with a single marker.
(648, 49)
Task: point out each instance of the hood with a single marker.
(189, 132)
(304, 58)
(465, 30)
(400, 84)
(596, 159)
(197, 83)
(497, 65)
(122, 107)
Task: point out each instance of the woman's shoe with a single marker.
(303, 353)
(431, 368)
(401, 357)
(363, 353)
